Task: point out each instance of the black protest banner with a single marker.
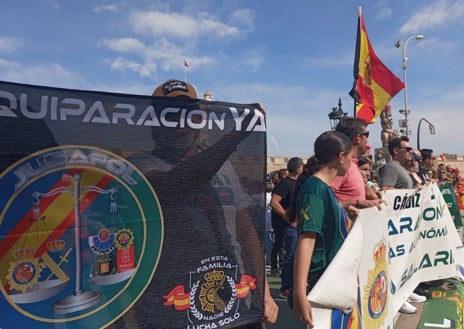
(128, 211)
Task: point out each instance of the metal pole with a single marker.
(404, 66)
(431, 127)
(418, 130)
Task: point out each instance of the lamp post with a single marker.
(431, 129)
(336, 115)
(404, 46)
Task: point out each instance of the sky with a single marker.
(295, 57)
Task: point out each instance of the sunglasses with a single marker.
(407, 148)
(417, 158)
(365, 134)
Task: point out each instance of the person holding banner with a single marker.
(394, 174)
(426, 170)
(365, 168)
(323, 223)
(397, 174)
(413, 170)
(202, 193)
(350, 188)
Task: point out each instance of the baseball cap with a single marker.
(175, 88)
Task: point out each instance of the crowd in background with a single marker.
(393, 167)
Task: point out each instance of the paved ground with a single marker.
(287, 319)
(409, 321)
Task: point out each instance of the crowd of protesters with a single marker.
(396, 166)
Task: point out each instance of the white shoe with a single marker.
(415, 298)
(408, 308)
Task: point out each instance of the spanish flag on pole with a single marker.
(374, 84)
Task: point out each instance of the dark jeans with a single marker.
(268, 244)
(278, 225)
(290, 242)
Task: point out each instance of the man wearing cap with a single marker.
(203, 206)
(175, 88)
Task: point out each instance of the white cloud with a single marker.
(209, 25)
(175, 25)
(8, 45)
(382, 9)
(45, 75)
(245, 17)
(165, 24)
(123, 64)
(440, 13)
(167, 38)
(162, 54)
(106, 8)
(125, 45)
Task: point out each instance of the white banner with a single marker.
(411, 240)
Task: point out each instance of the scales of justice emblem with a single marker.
(112, 250)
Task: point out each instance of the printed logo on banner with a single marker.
(214, 296)
(73, 230)
(376, 289)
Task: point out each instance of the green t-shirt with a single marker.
(318, 211)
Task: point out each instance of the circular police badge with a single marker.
(75, 223)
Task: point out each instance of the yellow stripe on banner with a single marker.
(51, 218)
(48, 261)
(59, 209)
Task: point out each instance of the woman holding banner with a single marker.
(323, 223)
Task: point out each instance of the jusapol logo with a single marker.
(214, 296)
(72, 237)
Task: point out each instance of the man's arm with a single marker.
(276, 206)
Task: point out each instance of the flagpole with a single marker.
(186, 67)
(356, 60)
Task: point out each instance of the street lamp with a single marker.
(431, 129)
(403, 46)
(336, 115)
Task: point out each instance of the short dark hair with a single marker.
(426, 153)
(351, 127)
(293, 164)
(396, 143)
(362, 160)
(282, 173)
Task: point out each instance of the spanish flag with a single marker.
(246, 284)
(374, 84)
(178, 298)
